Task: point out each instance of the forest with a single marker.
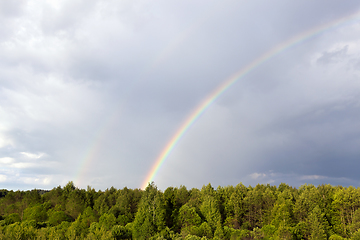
(231, 212)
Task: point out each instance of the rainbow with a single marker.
(93, 150)
(94, 147)
(215, 94)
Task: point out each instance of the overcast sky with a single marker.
(91, 91)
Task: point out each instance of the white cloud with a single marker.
(33, 155)
(5, 141)
(3, 178)
(42, 180)
(6, 160)
(12, 163)
(312, 177)
(257, 175)
(22, 165)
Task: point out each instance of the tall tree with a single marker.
(346, 202)
(317, 225)
(238, 207)
(150, 217)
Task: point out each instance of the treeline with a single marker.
(240, 212)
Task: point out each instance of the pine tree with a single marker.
(317, 225)
(150, 217)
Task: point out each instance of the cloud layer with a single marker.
(92, 91)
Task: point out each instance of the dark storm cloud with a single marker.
(321, 141)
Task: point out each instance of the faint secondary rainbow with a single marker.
(96, 142)
(94, 150)
(196, 113)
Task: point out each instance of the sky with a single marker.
(93, 92)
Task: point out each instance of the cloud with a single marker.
(257, 175)
(335, 55)
(6, 160)
(46, 180)
(33, 155)
(312, 177)
(92, 91)
(298, 118)
(3, 178)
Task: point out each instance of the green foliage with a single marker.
(69, 187)
(219, 232)
(170, 206)
(150, 218)
(29, 223)
(336, 237)
(281, 214)
(309, 198)
(98, 232)
(31, 198)
(12, 218)
(55, 196)
(107, 221)
(57, 217)
(88, 217)
(192, 237)
(283, 232)
(106, 201)
(75, 202)
(268, 231)
(123, 220)
(188, 216)
(58, 232)
(355, 224)
(260, 212)
(258, 204)
(120, 232)
(195, 198)
(210, 206)
(19, 231)
(346, 202)
(231, 233)
(237, 206)
(80, 228)
(210, 209)
(355, 235)
(205, 230)
(126, 205)
(37, 213)
(317, 224)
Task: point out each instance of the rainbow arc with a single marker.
(226, 84)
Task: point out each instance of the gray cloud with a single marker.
(100, 88)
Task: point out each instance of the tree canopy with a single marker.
(231, 212)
